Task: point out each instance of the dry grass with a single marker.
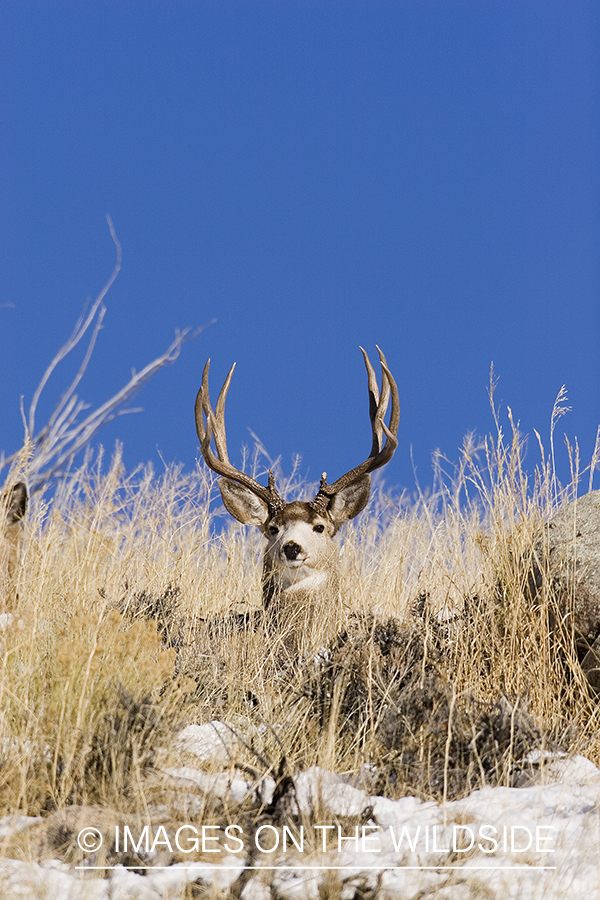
(128, 623)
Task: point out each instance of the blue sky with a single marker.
(315, 176)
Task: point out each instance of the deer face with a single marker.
(300, 552)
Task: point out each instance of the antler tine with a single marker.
(199, 408)
(216, 420)
(377, 405)
(381, 452)
(373, 402)
(392, 390)
(215, 428)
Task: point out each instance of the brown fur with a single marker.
(13, 505)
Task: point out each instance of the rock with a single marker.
(568, 555)
(213, 741)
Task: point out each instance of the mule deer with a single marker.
(13, 505)
(301, 579)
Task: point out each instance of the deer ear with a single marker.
(17, 502)
(350, 500)
(243, 505)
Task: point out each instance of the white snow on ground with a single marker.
(221, 785)
(54, 881)
(541, 841)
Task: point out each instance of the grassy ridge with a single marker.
(121, 631)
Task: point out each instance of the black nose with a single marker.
(292, 550)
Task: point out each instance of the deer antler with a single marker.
(381, 453)
(215, 428)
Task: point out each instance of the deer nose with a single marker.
(291, 550)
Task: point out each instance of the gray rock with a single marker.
(567, 558)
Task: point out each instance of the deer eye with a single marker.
(319, 529)
(273, 530)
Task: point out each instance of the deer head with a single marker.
(301, 557)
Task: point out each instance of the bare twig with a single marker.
(51, 451)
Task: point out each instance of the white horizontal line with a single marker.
(216, 868)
